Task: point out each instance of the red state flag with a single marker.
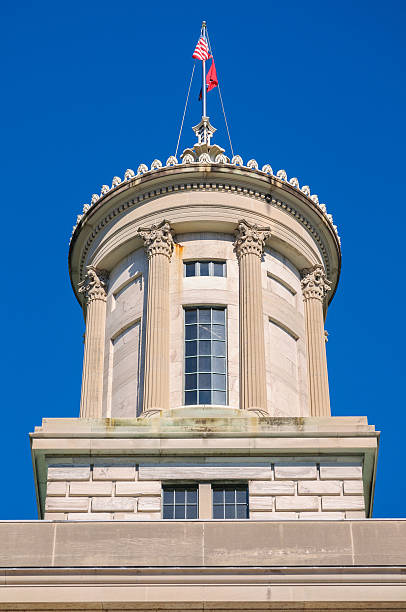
(211, 79)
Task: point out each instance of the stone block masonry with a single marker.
(100, 493)
(288, 489)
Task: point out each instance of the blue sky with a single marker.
(93, 88)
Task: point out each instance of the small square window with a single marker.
(180, 502)
(230, 501)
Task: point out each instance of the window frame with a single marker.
(211, 263)
(235, 503)
(182, 487)
(205, 499)
(197, 372)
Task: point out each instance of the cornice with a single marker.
(200, 180)
(221, 161)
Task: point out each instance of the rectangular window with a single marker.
(205, 356)
(230, 501)
(180, 502)
(204, 268)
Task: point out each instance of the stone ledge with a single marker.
(191, 544)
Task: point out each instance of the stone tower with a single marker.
(205, 284)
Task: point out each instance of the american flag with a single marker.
(202, 50)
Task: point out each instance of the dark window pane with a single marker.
(218, 512)
(204, 364)
(241, 496)
(219, 332)
(168, 496)
(191, 381)
(219, 315)
(204, 315)
(204, 268)
(167, 512)
(190, 267)
(191, 315)
(204, 397)
(190, 398)
(230, 511)
(204, 332)
(179, 496)
(204, 347)
(218, 496)
(219, 398)
(242, 511)
(219, 365)
(191, 512)
(229, 496)
(191, 332)
(204, 381)
(191, 496)
(191, 347)
(219, 349)
(179, 512)
(191, 364)
(218, 268)
(219, 382)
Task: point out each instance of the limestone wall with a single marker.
(284, 331)
(291, 488)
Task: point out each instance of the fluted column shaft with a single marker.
(94, 289)
(249, 245)
(315, 286)
(158, 240)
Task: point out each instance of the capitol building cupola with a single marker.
(205, 282)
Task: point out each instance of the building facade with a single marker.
(205, 470)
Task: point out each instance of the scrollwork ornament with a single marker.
(94, 285)
(129, 174)
(94, 199)
(116, 181)
(221, 159)
(142, 169)
(314, 283)
(250, 239)
(281, 174)
(104, 189)
(294, 182)
(253, 164)
(156, 164)
(204, 158)
(267, 168)
(188, 159)
(158, 239)
(171, 161)
(237, 160)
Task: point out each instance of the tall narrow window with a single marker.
(205, 356)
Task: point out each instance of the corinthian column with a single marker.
(314, 287)
(93, 288)
(158, 241)
(249, 246)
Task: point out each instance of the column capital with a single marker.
(314, 283)
(250, 239)
(158, 239)
(94, 284)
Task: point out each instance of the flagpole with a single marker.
(204, 74)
